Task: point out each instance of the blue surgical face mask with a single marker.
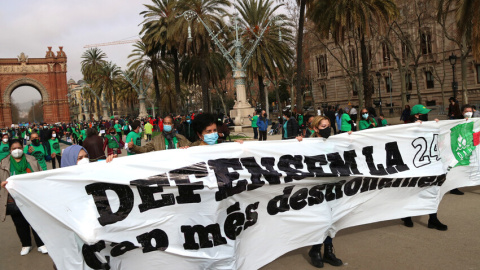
(365, 115)
(167, 128)
(210, 138)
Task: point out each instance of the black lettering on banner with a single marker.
(368, 153)
(234, 221)
(280, 202)
(337, 166)
(350, 162)
(385, 183)
(413, 182)
(397, 182)
(225, 178)
(330, 195)
(420, 158)
(440, 180)
(186, 194)
(394, 159)
(293, 173)
(251, 215)
(180, 176)
(316, 195)
(122, 248)
(148, 199)
(125, 197)
(270, 174)
(88, 252)
(159, 180)
(313, 169)
(298, 199)
(160, 237)
(353, 186)
(203, 236)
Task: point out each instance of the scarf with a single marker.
(169, 137)
(21, 167)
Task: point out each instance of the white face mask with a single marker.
(17, 153)
(468, 114)
(54, 135)
(5, 140)
(83, 161)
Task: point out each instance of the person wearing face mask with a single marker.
(322, 129)
(309, 131)
(37, 150)
(4, 146)
(187, 130)
(290, 126)
(366, 120)
(54, 149)
(14, 164)
(418, 114)
(166, 140)
(205, 126)
(114, 142)
(262, 123)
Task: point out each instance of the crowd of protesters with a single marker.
(28, 148)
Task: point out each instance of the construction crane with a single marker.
(119, 42)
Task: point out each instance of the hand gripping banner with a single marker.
(240, 206)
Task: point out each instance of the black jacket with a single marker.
(292, 129)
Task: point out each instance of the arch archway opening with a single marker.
(26, 105)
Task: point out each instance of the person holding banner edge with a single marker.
(18, 163)
(419, 113)
(321, 127)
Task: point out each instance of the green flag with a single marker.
(461, 139)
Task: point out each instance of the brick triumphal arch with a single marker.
(48, 75)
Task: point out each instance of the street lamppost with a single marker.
(242, 107)
(379, 75)
(453, 61)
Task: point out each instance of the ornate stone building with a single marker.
(412, 58)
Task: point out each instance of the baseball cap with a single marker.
(419, 108)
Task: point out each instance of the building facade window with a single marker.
(323, 88)
(478, 73)
(322, 67)
(386, 54)
(430, 80)
(405, 52)
(426, 42)
(354, 89)
(408, 81)
(388, 84)
(352, 57)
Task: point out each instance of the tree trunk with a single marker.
(417, 84)
(204, 83)
(368, 88)
(156, 85)
(464, 79)
(176, 71)
(261, 91)
(301, 23)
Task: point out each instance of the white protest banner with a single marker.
(240, 206)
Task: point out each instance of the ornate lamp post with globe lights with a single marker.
(242, 108)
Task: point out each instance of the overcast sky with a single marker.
(31, 26)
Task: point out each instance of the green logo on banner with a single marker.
(462, 143)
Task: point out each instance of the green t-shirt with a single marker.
(118, 128)
(345, 125)
(4, 150)
(364, 124)
(54, 146)
(39, 153)
(137, 140)
(112, 143)
(83, 133)
(384, 123)
(254, 121)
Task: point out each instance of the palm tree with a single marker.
(145, 60)
(106, 81)
(343, 16)
(468, 21)
(271, 53)
(212, 13)
(163, 32)
(93, 59)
